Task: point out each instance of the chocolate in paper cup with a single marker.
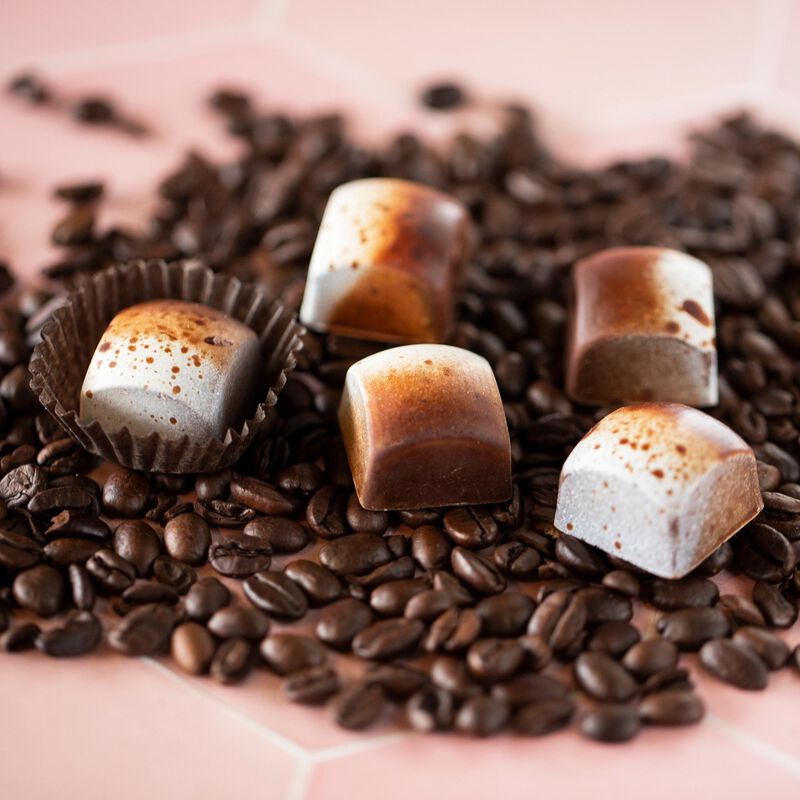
(59, 362)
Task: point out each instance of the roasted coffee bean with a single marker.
(311, 686)
(650, 656)
(778, 611)
(222, 513)
(75, 228)
(339, 622)
(79, 192)
(15, 390)
(495, 659)
(94, 111)
(81, 587)
(355, 554)
(21, 484)
(303, 478)
(30, 88)
(689, 628)
(578, 557)
(62, 457)
(262, 497)
(735, 663)
(690, 592)
(774, 652)
(559, 619)
(741, 610)
(18, 550)
(126, 493)
(358, 706)
(397, 570)
(24, 454)
(204, 598)
(187, 538)
(192, 648)
(319, 583)
(173, 484)
(283, 535)
(78, 524)
(453, 630)
(238, 622)
(82, 482)
(430, 547)
(63, 552)
(603, 606)
(471, 527)
(517, 560)
(671, 707)
(543, 717)
(614, 638)
(237, 554)
(232, 661)
(40, 589)
(765, 553)
(397, 680)
(482, 715)
(144, 631)
(430, 709)
(285, 653)
(20, 637)
(363, 521)
(605, 679)
(420, 516)
(443, 96)
(387, 638)
(611, 723)
(505, 614)
(137, 543)
(397, 544)
(447, 582)
(477, 572)
(428, 605)
(62, 497)
(391, 598)
(538, 653)
(451, 674)
(527, 688)
(176, 510)
(111, 571)
(144, 591)
(174, 573)
(276, 594)
(675, 678)
(213, 485)
(326, 513)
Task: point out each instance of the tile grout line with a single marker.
(277, 739)
(362, 746)
(298, 788)
(756, 745)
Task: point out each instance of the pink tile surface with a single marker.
(610, 78)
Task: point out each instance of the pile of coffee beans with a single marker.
(476, 620)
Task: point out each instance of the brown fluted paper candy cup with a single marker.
(69, 339)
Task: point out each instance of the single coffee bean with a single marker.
(741, 610)
(454, 630)
(579, 557)
(671, 707)
(447, 582)
(675, 678)
(262, 497)
(398, 570)
(126, 493)
(78, 634)
(18, 550)
(137, 543)
(477, 572)
(187, 538)
(318, 582)
(543, 717)
(528, 687)
(420, 516)
(651, 656)
(398, 544)
(734, 663)
(428, 605)
(276, 594)
(78, 524)
(363, 521)
(719, 560)
(355, 554)
(239, 554)
(303, 478)
(689, 628)
(20, 637)
(603, 606)
(192, 648)
(603, 678)
(204, 598)
(311, 686)
(690, 592)
(611, 723)
(79, 192)
(213, 485)
(451, 674)
(144, 631)
(62, 497)
(359, 706)
(238, 622)
(81, 587)
(397, 680)
(430, 547)
(517, 560)
(559, 619)
(538, 653)
(111, 571)
(391, 598)
(283, 535)
(495, 659)
(174, 573)
(387, 638)
(342, 620)
(614, 638)
(443, 96)
(21, 484)
(64, 552)
(40, 589)
(505, 614)
(778, 610)
(471, 527)
(326, 513)
(774, 652)
(76, 228)
(430, 709)
(482, 715)
(232, 661)
(285, 653)
(221, 513)
(553, 585)
(765, 553)
(144, 591)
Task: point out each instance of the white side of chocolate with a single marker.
(143, 392)
(652, 504)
